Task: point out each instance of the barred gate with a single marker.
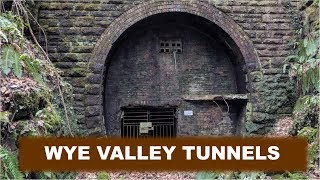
(148, 122)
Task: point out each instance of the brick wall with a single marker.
(74, 27)
(140, 74)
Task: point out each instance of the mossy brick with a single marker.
(79, 111)
(74, 57)
(92, 99)
(263, 118)
(92, 30)
(93, 111)
(97, 131)
(56, 6)
(253, 128)
(93, 89)
(95, 121)
(78, 104)
(57, 14)
(81, 119)
(81, 49)
(78, 81)
(74, 27)
(79, 90)
(86, 7)
(78, 97)
(75, 72)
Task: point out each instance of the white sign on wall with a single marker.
(188, 113)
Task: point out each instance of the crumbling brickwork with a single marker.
(74, 28)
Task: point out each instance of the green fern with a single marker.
(6, 62)
(9, 165)
(10, 61)
(11, 27)
(17, 68)
(304, 64)
(33, 67)
(3, 36)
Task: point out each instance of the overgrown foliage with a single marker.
(11, 28)
(9, 164)
(304, 67)
(10, 61)
(32, 92)
(231, 175)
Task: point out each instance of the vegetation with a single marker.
(103, 176)
(231, 175)
(304, 68)
(32, 93)
(10, 168)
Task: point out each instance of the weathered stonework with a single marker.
(81, 33)
(139, 74)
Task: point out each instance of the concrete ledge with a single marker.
(215, 97)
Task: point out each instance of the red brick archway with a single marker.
(97, 62)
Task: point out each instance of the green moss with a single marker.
(255, 128)
(207, 175)
(78, 71)
(50, 117)
(278, 176)
(27, 104)
(313, 151)
(102, 175)
(297, 176)
(309, 133)
(249, 112)
(90, 6)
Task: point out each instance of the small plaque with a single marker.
(188, 113)
(145, 127)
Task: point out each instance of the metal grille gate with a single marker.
(148, 122)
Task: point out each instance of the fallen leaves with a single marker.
(282, 127)
(10, 84)
(141, 175)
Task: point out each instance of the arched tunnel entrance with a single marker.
(174, 74)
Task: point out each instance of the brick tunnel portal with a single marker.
(174, 74)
